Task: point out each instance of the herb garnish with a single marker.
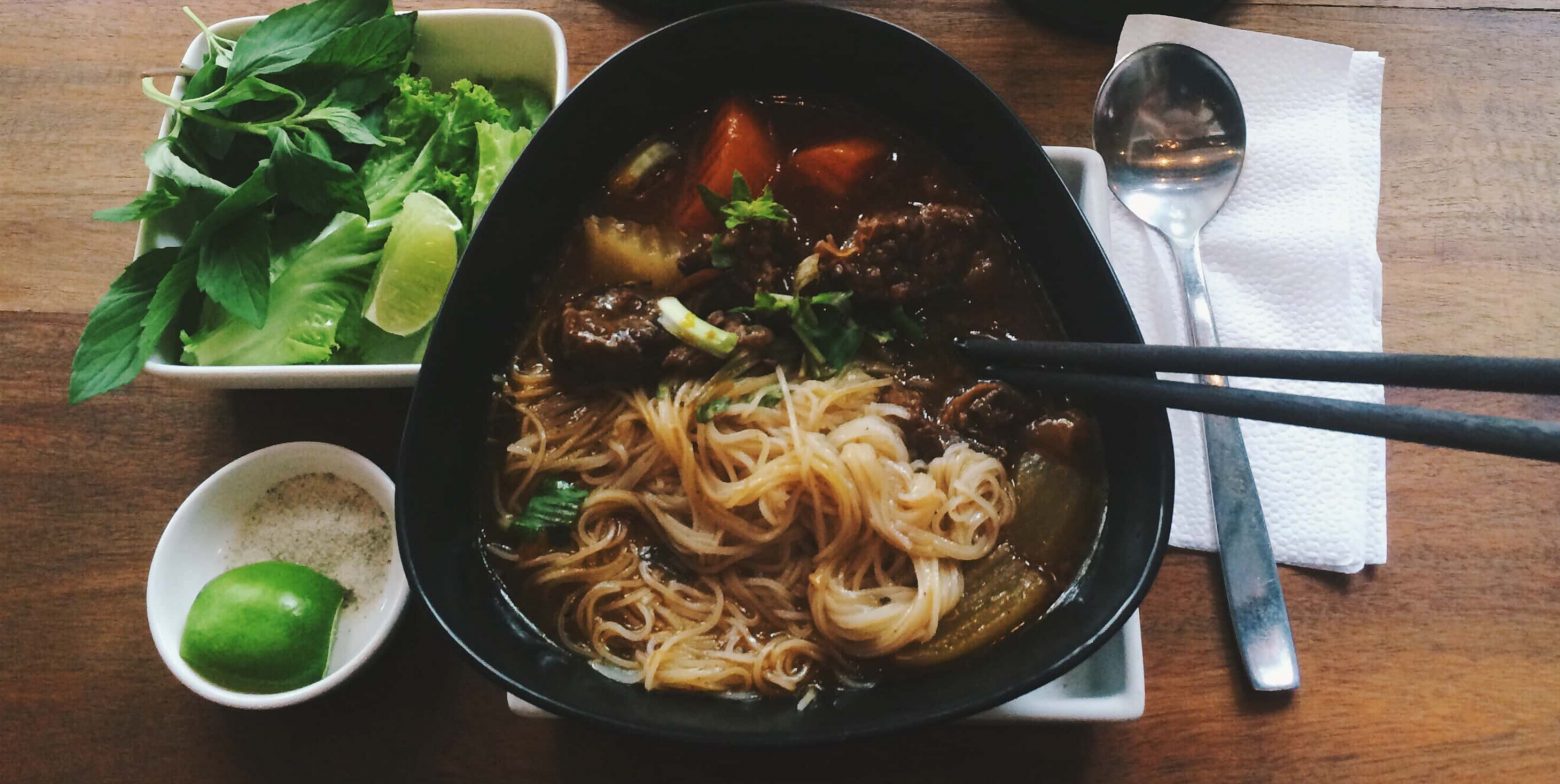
(740, 209)
(555, 503)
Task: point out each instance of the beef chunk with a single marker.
(691, 361)
(924, 434)
(990, 415)
(1059, 435)
(903, 256)
(757, 255)
(610, 335)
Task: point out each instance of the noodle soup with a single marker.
(738, 452)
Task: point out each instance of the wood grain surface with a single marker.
(1442, 665)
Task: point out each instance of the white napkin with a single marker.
(1291, 262)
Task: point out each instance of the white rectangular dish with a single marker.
(1107, 686)
(478, 44)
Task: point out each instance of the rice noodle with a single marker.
(801, 534)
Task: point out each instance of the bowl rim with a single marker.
(397, 588)
(360, 375)
(950, 710)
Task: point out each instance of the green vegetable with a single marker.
(769, 398)
(696, 332)
(823, 324)
(712, 408)
(307, 118)
(263, 628)
(497, 149)
(742, 207)
(555, 503)
(314, 285)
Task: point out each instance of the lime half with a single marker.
(418, 263)
(263, 628)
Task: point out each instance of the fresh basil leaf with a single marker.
(161, 197)
(311, 179)
(235, 268)
(251, 193)
(110, 353)
(250, 90)
(166, 302)
(357, 65)
(165, 163)
(345, 122)
(290, 35)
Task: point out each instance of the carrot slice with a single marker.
(837, 167)
(739, 141)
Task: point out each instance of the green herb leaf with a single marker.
(235, 268)
(345, 122)
(314, 284)
(742, 207)
(167, 301)
(555, 503)
(290, 35)
(821, 322)
(250, 90)
(161, 197)
(357, 65)
(166, 164)
(110, 352)
(311, 179)
(712, 408)
(769, 398)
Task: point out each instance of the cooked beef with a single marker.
(687, 359)
(610, 335)
(1058, 435)
(924, 434)
(904, 255)
(758, 256)
(990, 415)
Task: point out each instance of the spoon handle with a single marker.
(1256, 599)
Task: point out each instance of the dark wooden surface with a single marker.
(1442, 665)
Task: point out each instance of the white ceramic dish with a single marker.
(194, 549)
(1108, 686)
(480, 44)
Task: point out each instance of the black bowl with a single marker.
(783, 49)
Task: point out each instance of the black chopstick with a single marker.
(1494, 435)
(1433, 371)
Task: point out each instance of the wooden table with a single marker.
(1443, 664)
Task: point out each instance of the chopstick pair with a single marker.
(1093, 369)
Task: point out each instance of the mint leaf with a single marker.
(290, 35)
(311, 179)
(235, 268)
(356, 65)
(166, 302)
(161, 197)
(165, 163)
(110, 352)
(345, 122)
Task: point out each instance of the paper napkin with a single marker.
(1291, 263)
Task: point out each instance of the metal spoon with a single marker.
(1170, 127)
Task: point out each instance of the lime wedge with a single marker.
(263, 628)
(416, 268)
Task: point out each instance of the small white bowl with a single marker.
(194, 547)
(482, 44)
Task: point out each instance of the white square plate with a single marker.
(1107, 686)
(478, 44)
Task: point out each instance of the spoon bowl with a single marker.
(1170, 126)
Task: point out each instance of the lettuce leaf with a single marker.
(312, 288)
(497, 149)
